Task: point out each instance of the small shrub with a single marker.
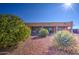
(65, 41)
(43, 32)
(12, 31)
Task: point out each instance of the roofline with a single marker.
(48, 22)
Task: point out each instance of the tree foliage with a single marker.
(12, 31)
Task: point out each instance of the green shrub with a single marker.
(43, 32)
(12, 31)
(65, 41)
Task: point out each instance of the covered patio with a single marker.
(52, 27)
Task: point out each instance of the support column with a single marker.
(56, 28)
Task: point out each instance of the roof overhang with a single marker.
(50, 24)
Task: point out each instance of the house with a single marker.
(51, 26)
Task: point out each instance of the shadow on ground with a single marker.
(37, 37)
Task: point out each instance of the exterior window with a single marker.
(50, 29)
(59, 28)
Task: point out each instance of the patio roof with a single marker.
(50, 24)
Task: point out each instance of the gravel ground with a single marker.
(34, 46)
(39, 46)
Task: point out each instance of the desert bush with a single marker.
(12, 31)
(43, 32)
(65, 41)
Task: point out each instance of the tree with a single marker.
(12, 31)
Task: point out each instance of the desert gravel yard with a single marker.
(34, 46)
(39, 46)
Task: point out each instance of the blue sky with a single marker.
(55, 12)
